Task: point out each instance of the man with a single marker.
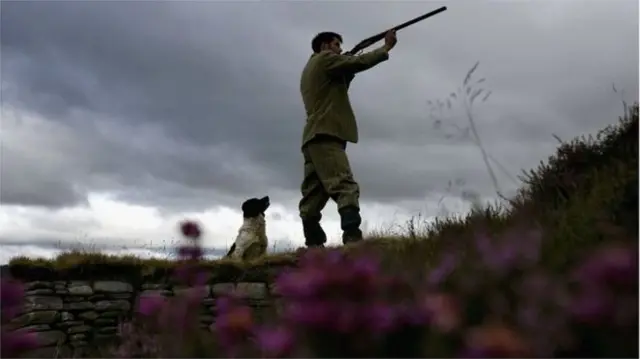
(330, 125)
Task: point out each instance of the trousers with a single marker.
(328, 175)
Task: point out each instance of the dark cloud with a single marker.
(193, 104)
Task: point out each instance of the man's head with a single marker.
(327, 41)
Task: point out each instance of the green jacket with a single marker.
(324, 85)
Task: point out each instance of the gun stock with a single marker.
(375, 38)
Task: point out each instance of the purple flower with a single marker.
(228, 302)
(304, 283)
(11, 294)
(190, 252)
(149, 305)
(379, 318)
(275, 342)
(313, 314)
(615, 265)
(346, 317)
(592, 306)
(233, 326)
(190, 229)
(13, 344)
(446, 266)
(515, 248)
(190, 274)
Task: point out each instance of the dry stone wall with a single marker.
(72, 316)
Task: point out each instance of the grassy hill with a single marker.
(582, 198)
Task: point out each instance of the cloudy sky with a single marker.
(121, 118)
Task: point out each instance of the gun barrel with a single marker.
(375, 38)
(419, 18)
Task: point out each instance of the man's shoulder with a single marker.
(317, 59)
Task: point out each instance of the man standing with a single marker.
(330, 125)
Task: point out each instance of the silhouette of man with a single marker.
(330, 125)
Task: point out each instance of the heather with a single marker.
(551, 273)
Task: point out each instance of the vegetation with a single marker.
(552, 274)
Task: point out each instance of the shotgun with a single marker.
(375, 38)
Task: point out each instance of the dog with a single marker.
(251, 241)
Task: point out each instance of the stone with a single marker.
(105, 305)
(97, 297)
(72, 323)
(220, 289)
(112, 287)
(37, 285)
(32, 303)
(279, 306)
(200, 291)
(66, 316)
(104, 337)
(80, 290)
(78, 344)
(164, 292)
(153, 286)
(121, 296)
(110, 314)
(205, 318)
(104, 322)
(208, 301)
(42, 291)
(62, 291)
(49, 352)
(52, 337)
(252, 290)
(88, 315)
(79, 329)
(43, 317)
(77, 336)
(79, 306)
(108, 330)
(70, 299)
(35, 328)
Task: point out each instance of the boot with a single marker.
(350, 222)
(313, 233)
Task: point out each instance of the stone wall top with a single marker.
(136, 271)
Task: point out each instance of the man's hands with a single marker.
(390, 40)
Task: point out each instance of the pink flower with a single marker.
(234, 323)
(497, 341)
(444, 311)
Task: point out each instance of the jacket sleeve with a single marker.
(348, 65)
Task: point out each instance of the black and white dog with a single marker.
(251, 241)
